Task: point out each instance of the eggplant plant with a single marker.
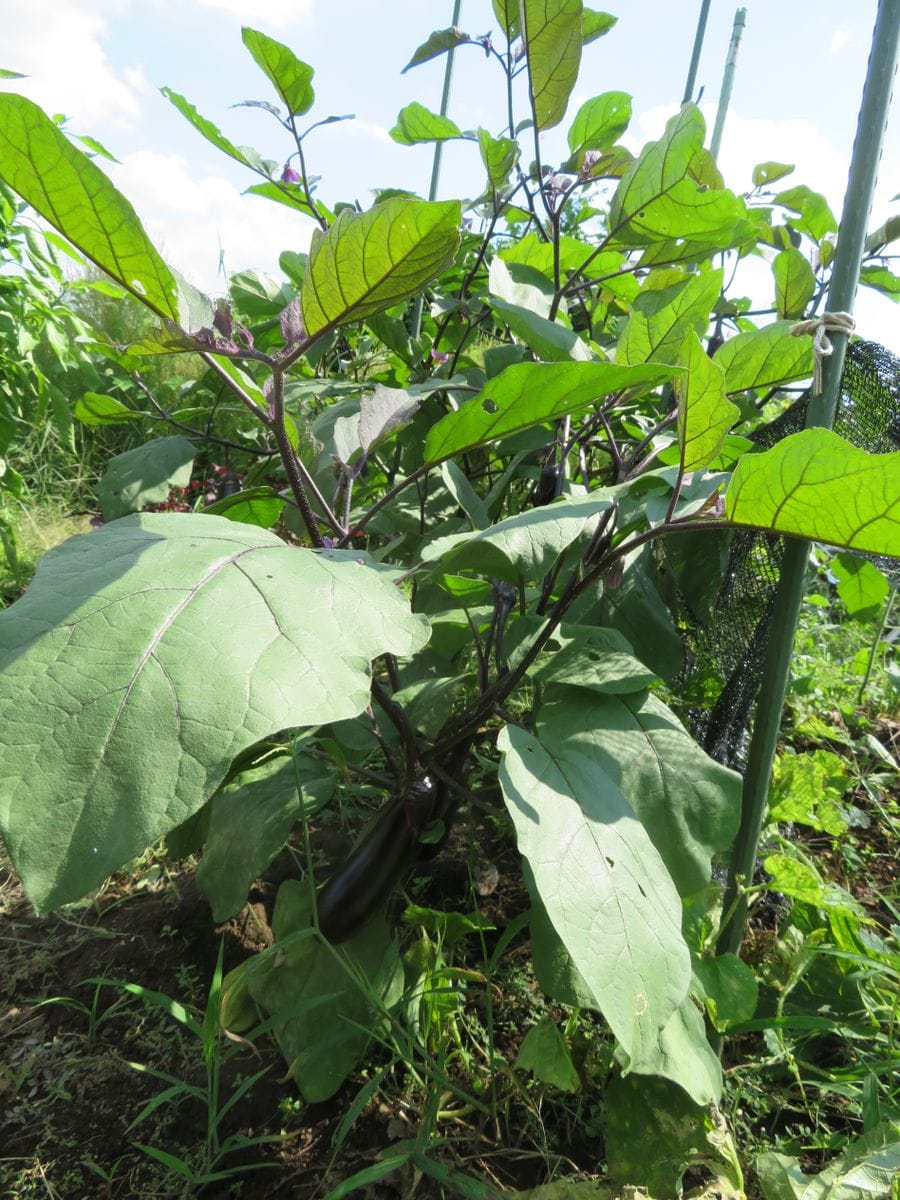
(451, 555)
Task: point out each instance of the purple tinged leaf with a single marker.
(291, 318)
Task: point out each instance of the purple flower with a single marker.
(439, 356)
(289, 175)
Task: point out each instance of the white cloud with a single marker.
(839, 40)
(192, 218)
(59, 45)
(275, 13)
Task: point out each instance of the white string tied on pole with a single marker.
(819, 328)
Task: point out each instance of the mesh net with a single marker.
(725, 635)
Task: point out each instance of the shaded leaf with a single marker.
(728, 989)
(531, 393)
(815, 485)
(525, 543)
(249, 824)
(125, 695)
(688, 803)
(94, 409)
(602, 883)
(861, 586)
(545, 1053)
(368, 261)
(866, 1170)
(589, 657)
(70, 191)
(549, 340)
(143, 476)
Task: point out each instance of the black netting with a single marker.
(725, 643)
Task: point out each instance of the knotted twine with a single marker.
(819, 328)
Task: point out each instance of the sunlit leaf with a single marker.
(595, 24)
(368, 261)
(553, 38)
(531, 393)
(291, 78)
(242, 154)
(763, 358)
(704, 414)
(94, 409)
(70, 191)
(770, 172)
(670, 305)
(499, 156)
(665, 193)
(600, 122)
(815, 485)
(795, 283)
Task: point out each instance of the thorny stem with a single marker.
(291, 125)
(385, 500)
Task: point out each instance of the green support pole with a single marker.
(737, 30)
(867, 148)
(695, 53)
(438, 150)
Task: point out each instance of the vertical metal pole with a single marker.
(740, 20)
(867, 148)
(438, 150)
(695, 53)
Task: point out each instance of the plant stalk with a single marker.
(873, 117)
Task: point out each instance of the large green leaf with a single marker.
(553, 39)
(524, 544)
(291, 78)
(143, 476)
(688, 803)
(666, 192)
(704, 414)
(762, 358)
(795, 283)
(815, 485)
(146, 656)
(603, 884)
(416, 123)
(70, 191)
(368, 261)
(530, 394)
(249, 824)
(670, 306)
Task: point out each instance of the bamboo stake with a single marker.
(737, 30)
(695, 53)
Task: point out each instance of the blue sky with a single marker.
(796, 97)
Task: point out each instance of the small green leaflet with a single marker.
(795, 283)
(415, 123)
(815, 485)
(600, 122)
(670, 305)
(368, 261)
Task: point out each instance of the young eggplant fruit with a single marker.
(375, 865)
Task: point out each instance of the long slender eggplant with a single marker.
(376, 864)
